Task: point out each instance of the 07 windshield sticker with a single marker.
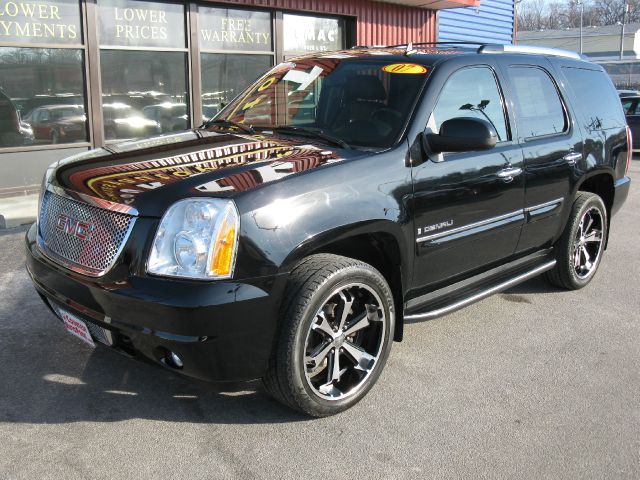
(405, 68)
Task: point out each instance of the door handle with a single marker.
(572, 157)
(508, 173)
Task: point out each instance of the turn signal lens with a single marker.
(224, 246)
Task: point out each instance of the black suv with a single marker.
(341, 195)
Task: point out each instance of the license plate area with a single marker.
(88, 332)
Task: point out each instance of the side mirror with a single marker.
(461, 134)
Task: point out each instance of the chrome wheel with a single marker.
(587, 245)
(344, 342)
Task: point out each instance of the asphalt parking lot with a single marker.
(532, 383)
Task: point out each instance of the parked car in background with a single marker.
(122, 121)
(628, 93)
(58, 123)
(13, 131)
(172, 117)
(631, 107)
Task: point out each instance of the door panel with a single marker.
(468, 214)
(551, 145)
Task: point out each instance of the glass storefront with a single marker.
(136, 74)
(304, 34)
(236, 47)
(144, 73)
(42, 90)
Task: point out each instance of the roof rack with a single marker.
(530, 49)
(490, 48)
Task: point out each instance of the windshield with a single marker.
(362, 102)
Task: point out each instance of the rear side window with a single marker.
(596, 98)
(538, 106)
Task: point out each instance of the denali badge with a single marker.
(437, 226)
(75, 228)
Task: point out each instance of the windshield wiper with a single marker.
(229, 123)
(312, 132)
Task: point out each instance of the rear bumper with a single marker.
(621, 192)
(222, 331)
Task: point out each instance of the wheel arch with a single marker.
(600, 183)
(379, 244)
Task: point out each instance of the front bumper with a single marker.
(222, 331)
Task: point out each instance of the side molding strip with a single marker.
(484, 294)
(544, 207)
(502, 219)
(516, 215)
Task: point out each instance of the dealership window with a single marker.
(143, 63)
(304, 34)
(236, 48)
(42, 93)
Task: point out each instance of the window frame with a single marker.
(500, 90)
(563, 105)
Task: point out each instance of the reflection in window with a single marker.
(537, 103)
(472, 92)
(143, 93)
(606, 112)
(48, 82)
(225, 76)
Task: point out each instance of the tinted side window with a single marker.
(538, 106)
(602, 110)
(471, 92)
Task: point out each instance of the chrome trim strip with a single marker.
(470, 226)
(558, 201)
(93, 201)
(481, 295)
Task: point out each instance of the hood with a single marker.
(149, 175)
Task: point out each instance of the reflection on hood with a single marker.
(122, 183)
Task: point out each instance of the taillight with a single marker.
(629, 150)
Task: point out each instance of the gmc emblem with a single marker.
(75, 228)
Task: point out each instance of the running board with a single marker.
(482, 294)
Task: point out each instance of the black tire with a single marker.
(567, 274)
(316, 286)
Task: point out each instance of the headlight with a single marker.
(197, 239)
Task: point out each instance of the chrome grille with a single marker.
(95, 254)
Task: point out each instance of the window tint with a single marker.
(471, 92)
(538, 107)
(602, 112)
